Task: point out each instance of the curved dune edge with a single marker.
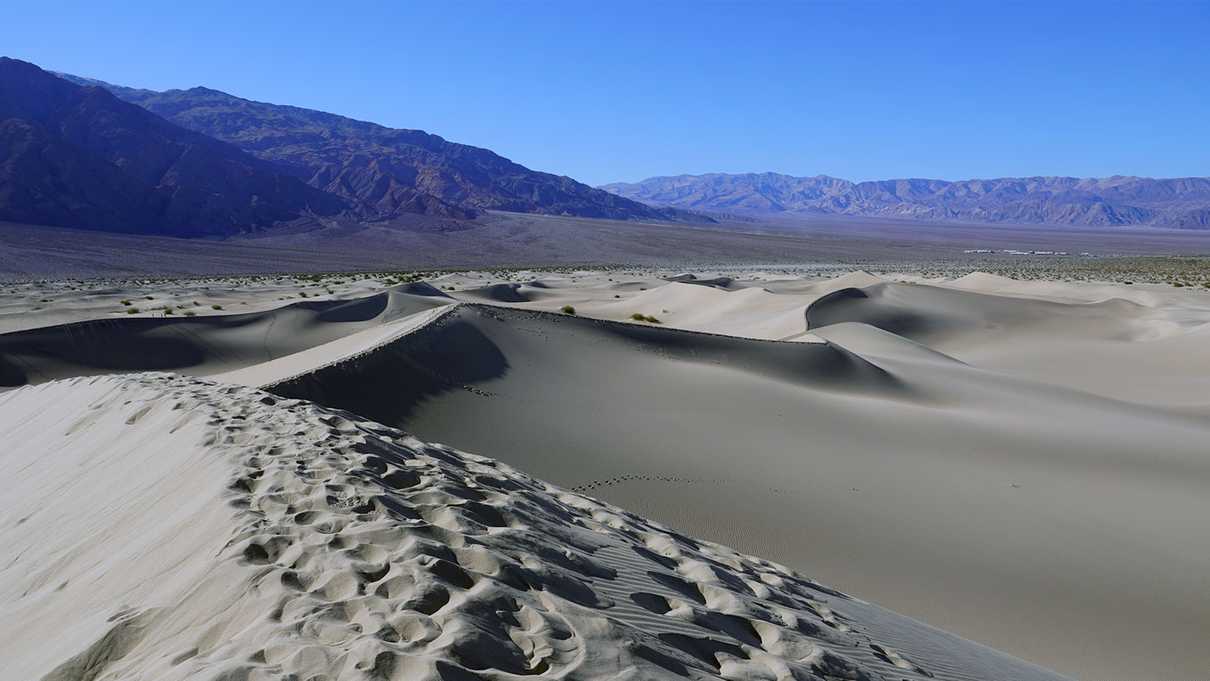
(168, 527)
(334, 352)
(203, 345)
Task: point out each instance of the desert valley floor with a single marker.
(1018, 463)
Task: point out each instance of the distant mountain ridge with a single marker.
(1180, 203)
(381, 171)
(79, 157)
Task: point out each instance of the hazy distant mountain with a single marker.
(79, 157)
(381, 170)
(1183, 202)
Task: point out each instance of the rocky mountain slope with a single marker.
(1182, 202)
(80, 157)
(382, 170)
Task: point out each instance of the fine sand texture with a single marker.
(161, 527)
(1022, 463)
(1024, 514)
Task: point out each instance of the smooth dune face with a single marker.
(1021, 463)
(1134, 343)
(173, 528)
(1115, 342)
(879, 461)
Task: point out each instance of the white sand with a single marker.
(949, 492)
(170, 528)
(203, 345)
(1022, 463)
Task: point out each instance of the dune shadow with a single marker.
(823, 365)
(868, 306)
(91, 347)
(359, 310)
(388, 383)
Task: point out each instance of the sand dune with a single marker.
(172, 528)
(1021, 463)
(198, 345)
(952, 319)
(1118, 343)
(935, 487)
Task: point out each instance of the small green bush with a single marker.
(131, 310)
(638, 317)
(216, 307)
(567, 309)
(127, 303)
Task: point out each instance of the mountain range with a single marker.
(81, 157)
(82, 153)
(1180, 203)
(382, 171)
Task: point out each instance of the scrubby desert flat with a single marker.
(1019, 463)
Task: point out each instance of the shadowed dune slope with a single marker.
(477, 344)
(199, 345)
(712, 282)
(946, 318)
(1150, 349)
(173, 528)
(504, 293)
(1019, 514)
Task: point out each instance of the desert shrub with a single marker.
(567, 309)
(653, 320)
(638, 317)
(127, 303)
(216, 307)
(131, 310)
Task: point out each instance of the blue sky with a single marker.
(607, 91)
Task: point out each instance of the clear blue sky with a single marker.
(615, 90)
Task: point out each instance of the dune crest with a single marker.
(203, 345)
